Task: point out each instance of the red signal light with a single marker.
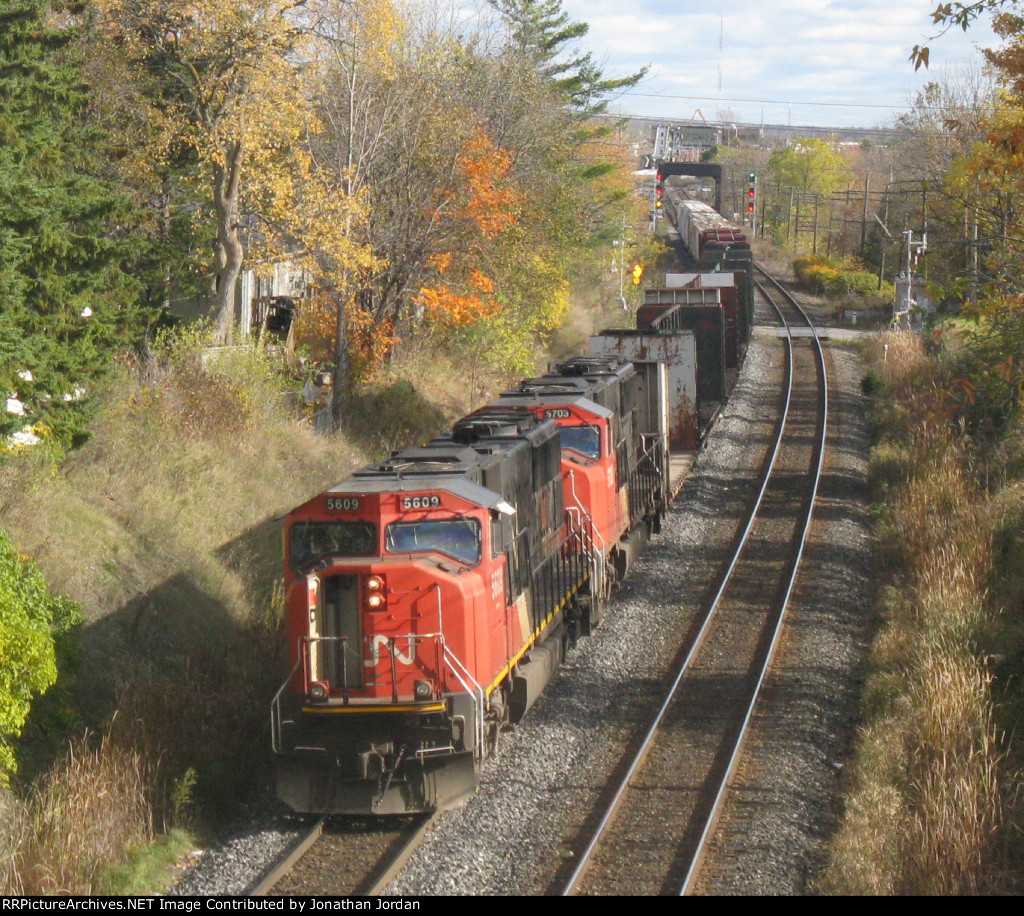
(750, 208)
(750, 193)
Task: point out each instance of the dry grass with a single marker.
(166, 529)
(82, 817)
(926, 813)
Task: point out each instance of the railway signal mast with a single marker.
(752, 202)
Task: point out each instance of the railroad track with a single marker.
(341, 856)
(653, 833)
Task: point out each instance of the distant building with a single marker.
(258, 296)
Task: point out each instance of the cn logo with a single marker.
(382, 641)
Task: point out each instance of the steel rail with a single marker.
(283, 865)
(384, 873)
(388, 874)
(723, 788)
(638, 759)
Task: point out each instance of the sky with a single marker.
(828, 63)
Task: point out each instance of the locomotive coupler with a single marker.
(390, 774)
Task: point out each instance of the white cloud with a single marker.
(818, 56)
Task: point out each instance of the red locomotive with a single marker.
(430, 597)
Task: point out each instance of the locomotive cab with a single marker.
(612, 463)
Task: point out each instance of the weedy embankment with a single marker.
(166, 529)
(932, 805)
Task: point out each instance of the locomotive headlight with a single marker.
(375, 601)
(422, 690)
(374, 584)
(318, 691)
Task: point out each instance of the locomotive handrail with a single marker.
(598, 556)
(643, 482)
(275, 710)
(477, 692)
(559, 576)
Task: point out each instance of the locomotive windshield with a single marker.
(311, 541)
(458, 538)
(586, 440)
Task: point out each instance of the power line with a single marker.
(706, 98)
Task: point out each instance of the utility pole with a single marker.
(883, 222)
(909, 233)
(622, 246)
(814, 243)
(864, 218)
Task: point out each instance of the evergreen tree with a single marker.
(543, 32)
(67, 298)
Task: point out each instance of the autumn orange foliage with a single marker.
(370, 341)
(485, 207)
(485, 167)
(453, 309)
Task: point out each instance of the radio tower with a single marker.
(721, 38)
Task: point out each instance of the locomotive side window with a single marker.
(586, 440)
(310, 541)
(497, 534)
(458, 538)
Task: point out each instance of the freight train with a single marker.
(432, 595)
(706, 234)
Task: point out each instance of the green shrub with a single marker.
(831, 277)
(888, 467)
(31, 619)
(871, 383)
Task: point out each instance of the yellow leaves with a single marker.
(235, 86)
(372, 30)
(306, 207)
(316, 322)
(228, 69)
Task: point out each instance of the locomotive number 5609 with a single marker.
(342, 504)
(421, 502)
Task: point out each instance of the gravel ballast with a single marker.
(510, 838)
